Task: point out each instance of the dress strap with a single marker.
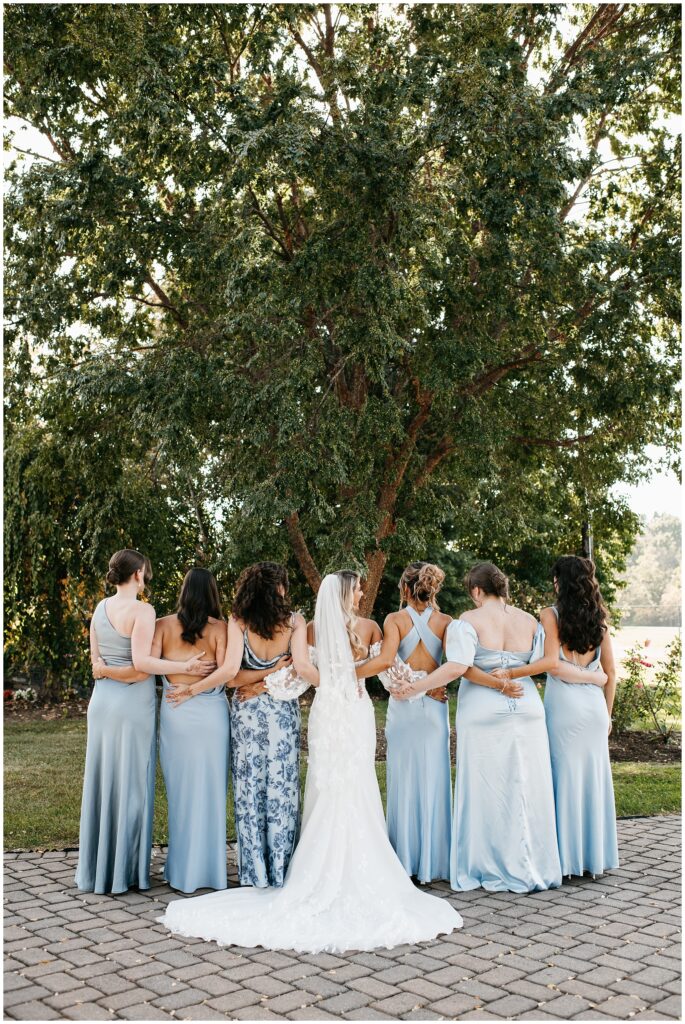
(420, 631)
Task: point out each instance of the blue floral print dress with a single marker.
(265, 761)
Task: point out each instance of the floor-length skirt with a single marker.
(419, 785)
(115, 837)
(578, 726)
(193, 751)
(504, 835)
(345, 888)
(265, 761)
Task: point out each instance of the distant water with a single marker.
(659, 638)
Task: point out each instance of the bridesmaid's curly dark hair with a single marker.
(258, 602)
(582, 615)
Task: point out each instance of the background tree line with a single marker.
(332, 286)
(652, 592)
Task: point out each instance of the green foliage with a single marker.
(640, 702)
(652, 593)
(337, 287)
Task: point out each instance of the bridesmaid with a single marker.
(194, 741)
(115, 837)
(419, 779)
(579, 718)
(263, 633)
(504, 834)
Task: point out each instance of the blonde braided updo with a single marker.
(422, 582)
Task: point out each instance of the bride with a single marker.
(345, 888)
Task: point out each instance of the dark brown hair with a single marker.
(423, 580)
(489, 578)
(198, 600)
(124, 563)
(257, 600)
(582, 615)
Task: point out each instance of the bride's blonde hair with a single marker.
(348, 582)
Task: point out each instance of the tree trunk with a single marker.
(376, 566)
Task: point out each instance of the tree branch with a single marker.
(268, 225)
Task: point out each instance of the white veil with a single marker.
(334, 654)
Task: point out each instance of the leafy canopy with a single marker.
(339, 285)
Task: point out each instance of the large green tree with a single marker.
(344, 285)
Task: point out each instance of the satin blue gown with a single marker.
(194, 740)
(578, 728)
(504, 833)
(115, 835)
(419, 781)
(265, 761)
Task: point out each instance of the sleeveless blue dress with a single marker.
(265, 761)
(194, 741)
(504, 834)
(578, 728)
(419, 781)
(115, 836)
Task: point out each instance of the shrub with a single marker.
(656, 704)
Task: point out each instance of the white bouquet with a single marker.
(285, 684)
(398, 675)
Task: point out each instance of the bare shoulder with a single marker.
(526, 616)
(145, 611)
(469, 616)
(367, 627)
(299, 621)
(217, 625)
(547, 614)
(442, 619)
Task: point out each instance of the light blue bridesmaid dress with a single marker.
(504, 835)
(194, 741)
(419, 781)
(578, 727)
(265, 761)
(115, 837)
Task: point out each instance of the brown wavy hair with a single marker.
(423, 580)
(199, 599)
(489, 578)
(582, 614)
(258, 602)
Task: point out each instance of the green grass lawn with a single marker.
(44, 770)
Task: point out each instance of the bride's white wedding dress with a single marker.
(345, 888)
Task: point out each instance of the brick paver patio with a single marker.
(593, 950)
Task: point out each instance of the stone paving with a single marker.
(606, 949)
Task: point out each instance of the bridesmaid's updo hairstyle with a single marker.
(489, 578)
(422, 580)
(582, 615)
(198, 600)
(258, 602)
(124, 563)
(348, 583)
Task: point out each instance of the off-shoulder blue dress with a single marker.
(578, 728)
(503, 832)
(419, 780)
